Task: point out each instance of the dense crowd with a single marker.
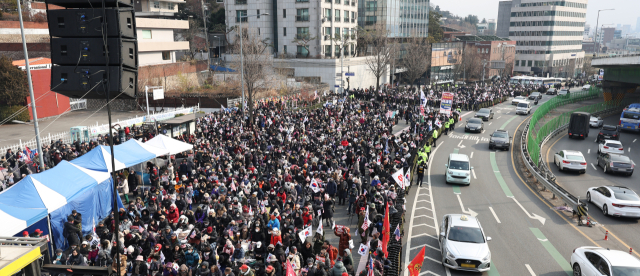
(242, 201)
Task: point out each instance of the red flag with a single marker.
(385, 232)
(416, 264)
(291, 272)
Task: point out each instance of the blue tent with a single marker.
(126, 155)
(221, 69)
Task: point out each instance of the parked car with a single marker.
(616, 163)
(616, 201)
(570, 160)
(500, 139)
(608, 132)
(552, 91)
(474, 125)
(611, 146)
(595, 121)
(591, 260)
(485, 114)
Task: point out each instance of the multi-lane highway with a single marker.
(528, 237)
(623, 230)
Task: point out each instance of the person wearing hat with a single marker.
(246, 270)
(270, 271)
(139, 267)
(59, 258)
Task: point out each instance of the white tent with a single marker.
(172, 145)
(153, 149)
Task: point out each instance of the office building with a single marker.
(401, 19)
(504, 17)
(548, 35)
(292, 22)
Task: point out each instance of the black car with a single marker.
(535, 96)
(474, 125)
(616, 163)
(552, 91)
(500, 139)
(485, 114)
(609, 132)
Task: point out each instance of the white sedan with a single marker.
(591, 260)
(570, 160)
(611, 146)
(518, 99)
(616, 201)
(596, 121)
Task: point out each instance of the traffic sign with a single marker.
(350, 74)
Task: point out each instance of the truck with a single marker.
(579, 125)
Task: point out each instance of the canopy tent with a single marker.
(172, 145)
(57, 191)
(155, 150)
(99, 159)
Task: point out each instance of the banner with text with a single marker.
(446, 103)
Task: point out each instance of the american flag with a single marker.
(370, 266)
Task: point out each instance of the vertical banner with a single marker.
(446, 102)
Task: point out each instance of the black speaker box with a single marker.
(90, 3)
(90, 51)
(87, 81)
(88, 23)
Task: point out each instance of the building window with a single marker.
(302, 15)
(258, 31)
(171, 6)
(327, 33)
(327, 50)
(284, 31)
(156, 4)
(327, 14)
(346, 16)
(337, 1)
(285, 49)
(353, 50)
(302, 50)
(146, 34)
(337, 13)
(302, 32)
(258, 14)
(241, 16)
(284, 13)
(529, 63)
(166, 55)
(346, 2)
(353, 16)
(337, 33)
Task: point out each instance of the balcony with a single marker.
(302, 18)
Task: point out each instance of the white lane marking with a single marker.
(532, 215)
(474, 173)
(433, 210)
(477, 141)
(471, 155)
(424, 200)
(588, 151)
(629, 149)
(423, 224)
(634, 140)
(499, 117)
(422, 208)
(483, 130)
(530, 270)
(494, 215)
(428, 272)
(594, 166)
(490, 123)
(470, 212)
(460, 145)
(431, 259)
(423, 216)
(543, 240)
(420, 246)
(466, 114)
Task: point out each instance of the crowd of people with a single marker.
(242, 201)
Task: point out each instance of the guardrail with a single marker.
(557, 125)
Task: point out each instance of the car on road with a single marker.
(474, 125)
(535, 95)
(463, 243)
(595, 121)
(591, 260)
(518, 99)
(523, 107)
(485, 114)
(611, 146)
(563, 92)
(579, 125)
(458, 169)
(616, 163)
(500, 139)
(586, 87)
(608, 132)
(571, 160)
(615, 201)
(552, 91)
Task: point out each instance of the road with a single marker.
(622, 229)
(528, 237)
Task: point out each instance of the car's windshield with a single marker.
(613, 145)
(483, 111)
(608, 128)
(475, 121)
(594, 119)
(625, 271)
(519, 98)
(466, 234)
(522, 105)
(535, 94)
(500, 134)
(459, 165)
(575, 158)
(624, 194)
(620, 158)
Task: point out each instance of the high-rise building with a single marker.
(408, 18)
(638, 25)
(626, 29)
(155, 22)
(548, 35)
(297, 28)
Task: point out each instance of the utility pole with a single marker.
(206, 37)
(33, 101)
(596, 37)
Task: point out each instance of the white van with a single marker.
(523, 108)
(458, 169)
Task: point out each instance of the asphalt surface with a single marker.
(528, 237)
(625, 229)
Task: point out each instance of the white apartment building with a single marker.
(548, 35)
(330, 22)
(155, 26)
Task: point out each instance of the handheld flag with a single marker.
(290, 271)
(370, 267)
(399, 178)
(305, 233)
(314, 186)
(416, 264)
(386, 232)
(363, 249)
(397, 233)
(407, 178)
(319, 230)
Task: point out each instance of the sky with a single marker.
(626, 11)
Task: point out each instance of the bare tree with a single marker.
(470, 65)
(256, 65)
(417, 59)
(303, 40)
(380, 50)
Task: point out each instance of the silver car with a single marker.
(464, 244)
(595, 121)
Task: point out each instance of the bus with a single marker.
(550, 82)
(630, 117)
(520, 80)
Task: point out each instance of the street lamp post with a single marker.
(206, 37)
(596, 37)
(242, 60)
